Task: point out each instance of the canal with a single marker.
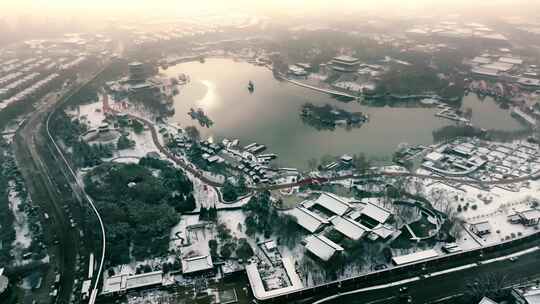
(270, 115)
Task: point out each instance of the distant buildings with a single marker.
(136, 72)
(296, 70)
(345, 64)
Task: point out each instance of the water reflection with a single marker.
(270, 115)
(211, 98)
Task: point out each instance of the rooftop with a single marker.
(196, 264)
(349, 228)
(485, 71)
(486, 300)
(123, 282)
(499, 66)
(322, 247)
(415, 257)
(333, 203)
(482, 226)
(346, 59)
(481, 60)
(530, 215)
(376, 213)
(307, 219)
(511, 60)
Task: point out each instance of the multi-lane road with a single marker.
(448, 287)
(35, 148)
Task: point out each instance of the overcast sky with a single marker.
(101, 8)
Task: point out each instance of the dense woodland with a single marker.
(139, 204)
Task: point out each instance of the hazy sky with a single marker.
(182, 7)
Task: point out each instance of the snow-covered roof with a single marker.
(345, 58)
(415, 257)
(270, 245)
(321, 246)
(257, 286)
(481, 60)
(333, 203)
(383, 231)
(511, 60)
(434, 156)
(482, 226)
(530, 215)
(376, 212)
(123, 282)
(486, 300)
(529, 81)
(499, 66)
(307, 219)
(4, 282)
(485, 71)
(196, 264)
(349, 228)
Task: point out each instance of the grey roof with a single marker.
(307, 219)
(349, 228)
(196, 264)
(322, 247)
(482, 226)
(333, 203)
(376, 213)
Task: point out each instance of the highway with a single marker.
(29, 144)
(46, 193)
(79, 188)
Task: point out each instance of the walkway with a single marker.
(328, 91)
(320, 180)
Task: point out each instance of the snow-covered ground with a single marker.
(91, 114)
(494, 206)
(23, 237)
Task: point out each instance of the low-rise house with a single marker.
(530, 295)
(123, 282)
(481, 228)
(197, 265)
(530, 217)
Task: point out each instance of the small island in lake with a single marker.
(201, 117)
(327, 117)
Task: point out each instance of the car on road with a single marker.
(513, 259)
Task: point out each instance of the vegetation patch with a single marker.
(139, 204)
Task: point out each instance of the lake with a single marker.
(270, 115)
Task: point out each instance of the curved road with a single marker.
(90, 201)
(320, 180)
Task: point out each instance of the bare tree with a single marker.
(489, 285)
